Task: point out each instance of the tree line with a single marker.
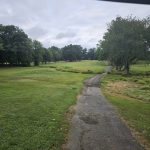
(126, 41)
(17, 49)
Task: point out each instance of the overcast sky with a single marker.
(62, 22)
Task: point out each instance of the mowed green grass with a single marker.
(85, 66)
(131, 98)
(34, 102)
(140, 69)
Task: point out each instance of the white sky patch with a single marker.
(62, 22)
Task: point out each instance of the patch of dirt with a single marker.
(70, 112)
(125, 96)
(89, 119)
(119, 86)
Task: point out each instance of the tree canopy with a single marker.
(17, 49)
(15, 46)
(126, 40)
(72, 52)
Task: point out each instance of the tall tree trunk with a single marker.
(117, 68)
(127, 68)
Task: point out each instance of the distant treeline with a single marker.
(17, 49)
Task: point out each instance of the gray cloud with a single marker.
(65, 35)
(61, 22)
(37, 32)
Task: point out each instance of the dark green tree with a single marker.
(91, 54)
(124, 42)
(56, 53)
(72, 52)
(37, 52)
(147, 38)
(47, 55)
(15, 46)
(84, 54)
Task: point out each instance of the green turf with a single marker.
(133, 103)
(140, 69)
(86, 66)
(34, 102)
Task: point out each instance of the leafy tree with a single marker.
(1, 44)
(72, 52)
(56, 53)
(91, 54)
(15, 46)
(47, 55)
(123, 42)
(84, 54)
(101, 54)
(147, 38)
(37, 52)
(2, 53)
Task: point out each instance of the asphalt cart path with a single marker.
(95, 124)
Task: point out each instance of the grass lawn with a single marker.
(86, 66)
(140, 68)
(33, 104)
(131, 96)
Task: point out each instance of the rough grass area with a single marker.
(86, 66)
(131, 96)
(33, 104)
